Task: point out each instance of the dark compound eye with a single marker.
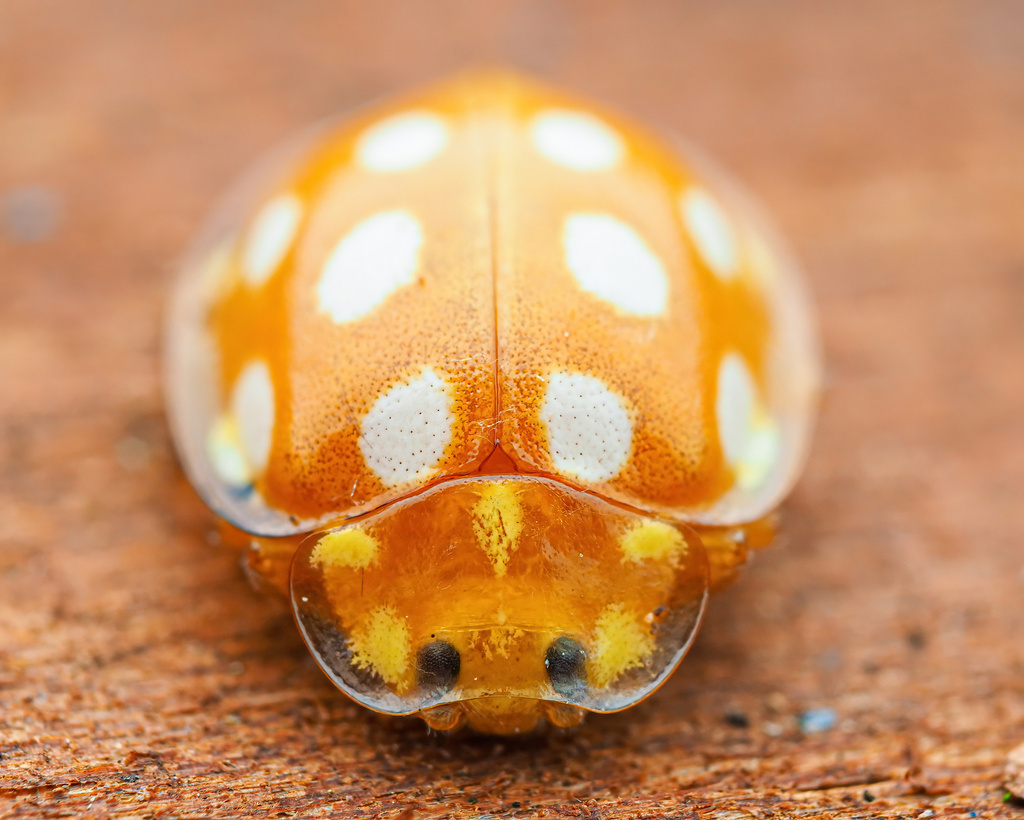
(437, 666)
(565, 661)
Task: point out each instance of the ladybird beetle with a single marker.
(499, 385)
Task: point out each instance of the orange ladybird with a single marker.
(500, 384)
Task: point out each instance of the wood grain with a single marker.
(139, 673)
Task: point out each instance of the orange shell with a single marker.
(489, 276)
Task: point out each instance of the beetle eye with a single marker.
(565, 662)
(437, 666)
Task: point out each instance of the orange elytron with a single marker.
(501, 385)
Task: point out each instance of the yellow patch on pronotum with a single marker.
(383, 645)
(762, 451)
(224, 449)
(351, 548)
(218, 273)
(653, 541)
(497, 524)
(621, 642)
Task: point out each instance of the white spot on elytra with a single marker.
(252, 403)
(402, 142)
(576, 140)
(712, 232)
(589, 432)
(269, 238)
(373, 260)
(749, 437)
(611, 260)
(405, 433)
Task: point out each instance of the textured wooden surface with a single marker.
(139, 674)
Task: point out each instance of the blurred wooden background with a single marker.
(871, 664)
